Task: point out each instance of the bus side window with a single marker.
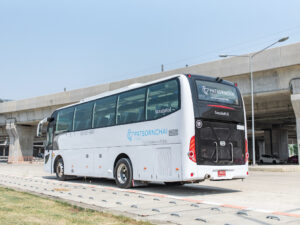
(131, 106)
(163, 99)
(83, 116)
(65, 120)
(105, 112)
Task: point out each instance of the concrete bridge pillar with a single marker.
(268, 142)
(276, 142)
(20, 141)
(280, 143)
(296, 106)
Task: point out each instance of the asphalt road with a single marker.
(262, 198)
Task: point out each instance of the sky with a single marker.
(46, 46)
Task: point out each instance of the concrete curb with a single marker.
(278, 168)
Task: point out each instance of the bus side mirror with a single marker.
(39, 129)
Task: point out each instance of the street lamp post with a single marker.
(250, 57)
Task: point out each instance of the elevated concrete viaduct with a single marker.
(276, 94)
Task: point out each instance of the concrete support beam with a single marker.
(261, 147)
(280, 143)
(20, 141)
(268, 142)
(296, 105)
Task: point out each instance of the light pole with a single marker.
(250, 57)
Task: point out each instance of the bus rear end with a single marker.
(218, 150)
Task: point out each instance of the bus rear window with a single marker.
(217, 92)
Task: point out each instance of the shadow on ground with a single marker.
(157, 188)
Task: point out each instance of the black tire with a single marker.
(124, 173)
(262, 162)
(60, 170)
(274, 162)
(173, 183)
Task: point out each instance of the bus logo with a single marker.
(222, 143)
(199, 124)
(205, 90)
(137, 134)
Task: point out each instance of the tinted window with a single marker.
(163, 99)
(65, 120)
(83, 116)
(216, 92)
(105, 112)
(131, 106)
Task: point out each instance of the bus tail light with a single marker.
(246, 150)
(192, 150)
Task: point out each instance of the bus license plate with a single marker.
(222, 173)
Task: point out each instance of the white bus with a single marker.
(180, 129)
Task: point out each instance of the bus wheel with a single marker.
(123, 173)
(60, 170)
(173, 183)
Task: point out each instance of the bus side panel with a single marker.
(102, 162)
(78, 158)
(150, 163)
(79, 162)
(163, 164)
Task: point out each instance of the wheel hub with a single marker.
(60, 170)
(122, 173)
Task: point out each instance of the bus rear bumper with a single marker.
(214, 173)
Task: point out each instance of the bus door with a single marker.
(49, 146)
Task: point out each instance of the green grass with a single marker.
(24, 208)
